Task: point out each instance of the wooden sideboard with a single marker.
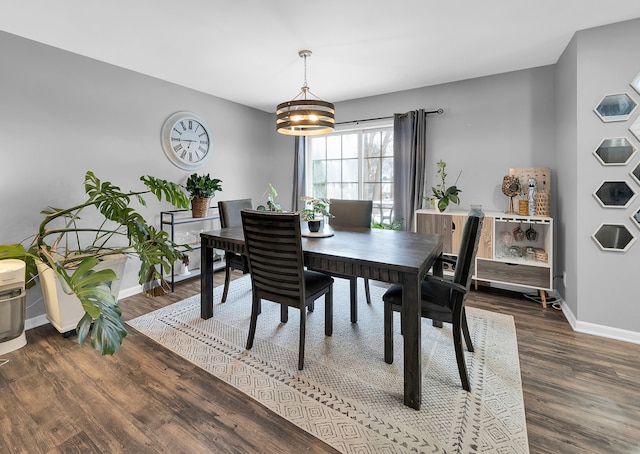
(502, 252)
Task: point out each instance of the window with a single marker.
(354, 164)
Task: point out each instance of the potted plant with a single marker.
(71, 243)
(315, 210)
(443, 194)
(201, 189)
(272, 205)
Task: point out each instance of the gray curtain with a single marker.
(298, 172)
(409, 151)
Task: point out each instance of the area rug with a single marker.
(346, 395)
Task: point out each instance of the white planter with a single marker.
(65, 311)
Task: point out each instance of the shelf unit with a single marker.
(171, 221)
(495, 262)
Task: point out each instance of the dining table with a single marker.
(391, 256)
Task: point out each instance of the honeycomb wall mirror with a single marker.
(615, 151)
(636, 83)
(635, 217)
(616, 107)
(614, 194)
(635, 174)
(635, 128)
(614, 237)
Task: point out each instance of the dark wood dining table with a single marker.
(377, 254)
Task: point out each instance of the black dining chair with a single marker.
(352, 214)
(276, 263)
(229, 211)
(442, 300)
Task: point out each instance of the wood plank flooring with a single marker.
(580, 392)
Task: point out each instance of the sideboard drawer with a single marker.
(513, 273)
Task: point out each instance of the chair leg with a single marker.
(227, 279)
(353, 295)
(366, 291)
(303, 324)
(388, 333)
(328, 312)
(255, 309)
(462, 366)
(284, 313)
(465, 331)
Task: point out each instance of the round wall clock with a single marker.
(186, 140)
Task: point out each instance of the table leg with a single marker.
(206, 282)
(411, 320)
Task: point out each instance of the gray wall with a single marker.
(62, 114)
(489, 124)
(606, 62)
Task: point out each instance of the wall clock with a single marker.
(187, 140)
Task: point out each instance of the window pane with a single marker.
(387, 192)
(334, 147)
(387, 143)
(349, 146)
(334, 191)
(317, 147)
(334, 170)
(320, 190)
(350, 191)
(371, 191)
(371, 144)
(387, 169)
(319, 171)
(350, 170)
(372, 169)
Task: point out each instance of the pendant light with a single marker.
(302, 116)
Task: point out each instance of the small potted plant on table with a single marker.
(315, 210)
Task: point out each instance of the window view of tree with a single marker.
(353, 165)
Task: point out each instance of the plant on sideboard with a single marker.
(201, 189)
(445, 195)
(73, 241)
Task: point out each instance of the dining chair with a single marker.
(229, 211)
(276, 263)
(442, 300)
(346, 214)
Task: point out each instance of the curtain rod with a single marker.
(439, 111)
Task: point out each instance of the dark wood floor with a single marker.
(580, 392)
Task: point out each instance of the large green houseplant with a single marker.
(72, 241)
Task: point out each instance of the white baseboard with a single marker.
(599, 330)
(40, 320)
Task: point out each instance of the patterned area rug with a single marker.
(347, 395)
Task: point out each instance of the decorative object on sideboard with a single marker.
(542, 175)
(531, 196)
(303, 116)
(510, 188)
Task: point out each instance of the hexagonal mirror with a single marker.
(616, 107)
(636, 83)
(616, 151)
(614, 194)
(635, 217)
(635, 128)
(614, 237)
(635, 174)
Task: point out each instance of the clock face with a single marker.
(186, 140)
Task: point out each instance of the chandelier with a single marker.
(303, 116)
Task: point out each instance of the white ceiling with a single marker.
(247, 50)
